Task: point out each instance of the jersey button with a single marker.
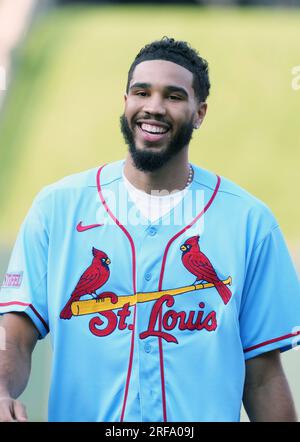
(148, 276)
(147, 347)
(152, 231)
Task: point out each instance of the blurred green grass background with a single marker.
(62, 113)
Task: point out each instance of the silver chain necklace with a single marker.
(190, 177)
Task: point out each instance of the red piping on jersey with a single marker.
(161, 356)
(24, 304)
(134, 287)
(271, 341)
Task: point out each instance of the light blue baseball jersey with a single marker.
(152, 322)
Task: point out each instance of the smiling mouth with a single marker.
(153, 133)
(153, 129)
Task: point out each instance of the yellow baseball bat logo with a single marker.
(91, 306)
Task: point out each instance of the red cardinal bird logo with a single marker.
(94, 277)
(199, 265)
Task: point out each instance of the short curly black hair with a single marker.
(179, 52)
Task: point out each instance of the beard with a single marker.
(147, 161)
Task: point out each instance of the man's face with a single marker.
(161, 111)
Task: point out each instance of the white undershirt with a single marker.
(156, 205)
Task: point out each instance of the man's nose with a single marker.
(155, 105)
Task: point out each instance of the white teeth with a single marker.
(153, 129)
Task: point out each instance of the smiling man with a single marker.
(179, 319)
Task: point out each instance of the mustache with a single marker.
(153, 118)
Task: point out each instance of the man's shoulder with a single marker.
(79, 182)
(233, 195)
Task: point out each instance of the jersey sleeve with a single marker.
(270, 307)
(24, 288)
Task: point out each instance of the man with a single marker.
(155, 315)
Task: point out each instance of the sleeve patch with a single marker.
(12, 280)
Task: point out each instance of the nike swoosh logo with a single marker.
(81, 228)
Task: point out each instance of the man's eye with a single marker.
(174, 97)
(141, 93)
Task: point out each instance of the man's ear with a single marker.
(125, 97)
(201, 112)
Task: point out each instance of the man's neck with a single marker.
(172, 176)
